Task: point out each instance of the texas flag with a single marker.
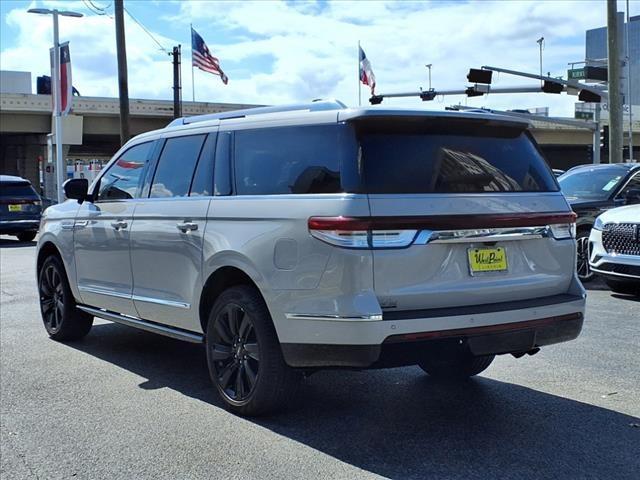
(366, 72)
(64, 85)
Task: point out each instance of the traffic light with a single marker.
(552, 87)
(376, 99)
(476, 75)
(604, 137)
(472, 92)
(428, 95)
(587, 96)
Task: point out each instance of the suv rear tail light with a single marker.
(400, 232)
(561, 231)
(358, 233)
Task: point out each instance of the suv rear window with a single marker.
(453, 158)
(17, 190)
(285, 160)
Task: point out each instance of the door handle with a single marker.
(187, 227)
(119, 225)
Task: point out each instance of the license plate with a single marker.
(487, 260)
(15, 208)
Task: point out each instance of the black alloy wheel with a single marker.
(51, 298)
(235, 354)
(62, 318)
(584, 271)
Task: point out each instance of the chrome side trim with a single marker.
(144, 324)
(481, 235)
(139, 298)
(159, 301)
(339, 318)
(100, 291)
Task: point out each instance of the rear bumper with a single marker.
(391, 342)
(9, 227)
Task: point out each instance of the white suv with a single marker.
(615, 248)
(316, 236)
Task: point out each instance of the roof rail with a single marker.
(314, 106)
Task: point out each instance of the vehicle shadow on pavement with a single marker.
(6, 243)
(399, 423)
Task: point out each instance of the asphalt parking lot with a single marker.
(129, 404)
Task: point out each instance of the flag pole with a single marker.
(193, 85)
(359, 82)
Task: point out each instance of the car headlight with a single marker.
(599, 224)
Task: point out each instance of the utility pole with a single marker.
(615, 96)
(177, 83)
(626, 29)
(123, 85)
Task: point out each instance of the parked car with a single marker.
(316, 236)
(20, 208)
(593, 189)
(615, 248)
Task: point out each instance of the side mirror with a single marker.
(632, 196)
(76, 189)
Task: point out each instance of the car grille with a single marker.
(621, 238)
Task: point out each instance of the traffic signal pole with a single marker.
(177, 83)
(123, 84)
(615, 96)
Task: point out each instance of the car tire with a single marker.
(620, 286)
(459, 368)
(26, 236)
(244, 355)
(585, 274)
(61, 317)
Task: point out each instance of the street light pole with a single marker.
(540, 43)
(61, 167)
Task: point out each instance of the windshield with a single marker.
(591, 183)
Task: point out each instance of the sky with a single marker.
(277, 52)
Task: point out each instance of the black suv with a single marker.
(593, 189)
(20, 208)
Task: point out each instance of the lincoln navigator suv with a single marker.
(292, 239)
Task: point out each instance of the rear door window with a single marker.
(202, 184)
(452, 159)
(176, 166)
(286, 160)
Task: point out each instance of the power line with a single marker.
(94, 9)
(147, 32)
(102, 9)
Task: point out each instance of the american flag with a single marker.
(201, 57)
(366, 72)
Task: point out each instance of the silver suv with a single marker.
(315, 236)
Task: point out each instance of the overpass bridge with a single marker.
(92, 131)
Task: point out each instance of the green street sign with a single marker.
(584, 115)
(576, 74)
